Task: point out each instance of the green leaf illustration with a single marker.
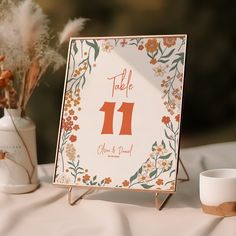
(163, 144)
(95, 46)
(146, 186)
(165, 157)
(153, 173)
(159, 45)
(140, 170)
(133, 177)
(169, 54)
(154, 144)
(163, 61)
(75, 48)
(171, 173)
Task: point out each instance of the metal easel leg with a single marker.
(72, 202)
(160, 203)
(185, 172)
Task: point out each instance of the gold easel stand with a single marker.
(159, 203)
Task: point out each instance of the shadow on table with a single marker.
(185, 196)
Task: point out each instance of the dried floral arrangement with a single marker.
(27, 49)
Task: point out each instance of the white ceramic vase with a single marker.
(18, 155)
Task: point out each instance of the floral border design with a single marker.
(160, 162)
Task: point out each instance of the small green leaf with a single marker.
(163, 144)
(133, 177)
(146, 186)
(140, 170)
(173, 68)
(160, 48)
(169, 54)
(153, 173)
(163, 61)
(95, 46)
(171, 173)
(75, 48)
(96, 50)
(165, 157)
(154, 144)
(94, 178)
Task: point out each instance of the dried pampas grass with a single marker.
(71, 29)
(25, 42)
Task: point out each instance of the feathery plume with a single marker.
(25, 46)
(71, 29)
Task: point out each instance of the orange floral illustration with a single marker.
(151, 45)
(153, 61)
(177, 118)
(140, 47)
(71, 112)
(165, 120)
(169, 41)
(73, 138)
(76, 127)
(107, 180)
(125, 183)
(159, 181)
(86, 178)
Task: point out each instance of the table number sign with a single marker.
(120, 118)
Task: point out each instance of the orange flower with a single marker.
(159, 182)
(169, 41)
(107, 180)
(151, 45)
(75, 117)
(71, 112)
(153, 61)
(86, 178)
(140, 47)
(166, 120)
(76, 127)
(177, 118)
(125, 183)
(73, 138)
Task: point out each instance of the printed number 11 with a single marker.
(126, 108)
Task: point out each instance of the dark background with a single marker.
(209, 114)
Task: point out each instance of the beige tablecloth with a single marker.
(106, 213)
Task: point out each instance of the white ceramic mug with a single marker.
(218, 191)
